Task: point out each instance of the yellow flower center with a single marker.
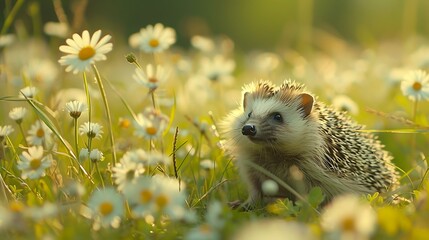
(348, 224)
(161, 201)
(40, 133)
(35, 164)
(146, 196)
(151, 130)
(16, 207)
(86, 53)
(417, 86)
(205, 228)
(105, 208)
(124, 123)
(153, 80)
(154, 43)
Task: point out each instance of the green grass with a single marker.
(57, 205)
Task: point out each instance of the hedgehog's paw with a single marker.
(241, 206)
(235, 204)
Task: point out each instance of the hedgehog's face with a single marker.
(273, 121)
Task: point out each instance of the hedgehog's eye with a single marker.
(249, 114)
(278, 117)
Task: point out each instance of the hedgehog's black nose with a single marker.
(248, 130)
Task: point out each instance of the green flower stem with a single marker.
(152, 93)
(156, 58)
(15, 154)
(106, 106)
(3, 196)
(2, 153)
(11, 16)
(34, 11)
(88, 99)
(414, 114)
(23, 134)
(76, 141)
(414, 136)
(99, 174)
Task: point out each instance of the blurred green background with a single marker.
(252, 24)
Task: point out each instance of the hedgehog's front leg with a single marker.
(253, 185)
(255, 198)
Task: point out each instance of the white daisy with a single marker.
(197, 87)
(33, 164)
(204, 44)
(396, 75)
(153, 38)
(140, 195)
(344, 103)
(150, 124)
(124, 122)
(416, 85)
(155, 158)
(41, 71)
(57, 29)
(12, 216)
(265, 62)
(128, 169)
(5, 131)
(17, 114)
(107, 208)
(6, 39)
(138, 156)
(212, 225)
(74, 189)
(47, 210)
(349, 217)
(83, 154)
(38, 134)
(84, 50)
(207, 164)
(75, 108)
(90, 129)
(28, 91)
(96, 155)
(65, 95)
(152, 77)
(156, 196)
(218, 69)
(168, 200)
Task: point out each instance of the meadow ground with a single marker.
(104, 139)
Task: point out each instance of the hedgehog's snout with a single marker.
(248, 130)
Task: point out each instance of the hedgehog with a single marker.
(304, 143)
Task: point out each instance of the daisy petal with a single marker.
(78, 40)
(95, 38)
(68, 49)
(86, 39)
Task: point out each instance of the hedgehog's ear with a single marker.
(306, 103)
(245, 99)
